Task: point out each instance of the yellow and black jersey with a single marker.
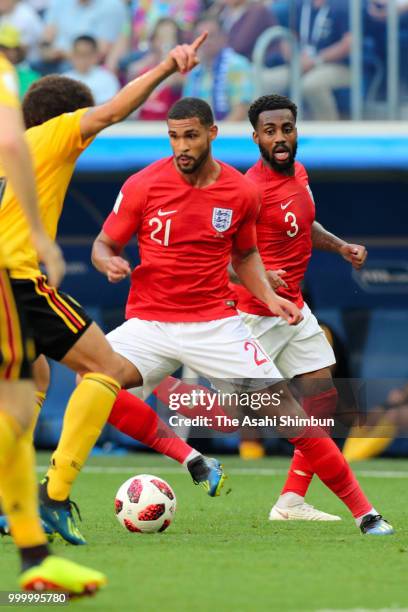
(9, 98)
(55, 147)
(8, 84)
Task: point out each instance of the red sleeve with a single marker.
(245, 238)
(125, 218)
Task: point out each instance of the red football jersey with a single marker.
(284, 230)
(186, 236)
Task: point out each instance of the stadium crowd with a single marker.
(105, 43)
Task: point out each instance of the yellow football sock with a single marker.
(357, 448)
(39, 401)
(18, 485)
(10, 431)
(87, 412)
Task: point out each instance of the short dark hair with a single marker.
(267, 103)
(86, 38)
(54, 95)
(187, 108)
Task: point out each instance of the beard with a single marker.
(279, 166)
(197, 162)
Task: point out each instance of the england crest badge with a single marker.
(221, 219)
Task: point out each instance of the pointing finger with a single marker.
(196, 44)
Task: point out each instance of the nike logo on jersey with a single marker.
(163, 213)
(284, 206)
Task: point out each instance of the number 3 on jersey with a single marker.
(290, 217)
(158, 226)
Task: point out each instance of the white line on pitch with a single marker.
(142, 469)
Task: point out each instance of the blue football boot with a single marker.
(208, 473)
(58, 515)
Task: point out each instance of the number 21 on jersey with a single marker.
(157, 225)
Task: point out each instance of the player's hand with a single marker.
(184, 57)
(275, 278)
(356, 254)
(285, 309)
(50, 255)
(117, 269)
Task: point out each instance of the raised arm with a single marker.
(182, 58)
(356, 254)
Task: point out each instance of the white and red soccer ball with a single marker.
(145, 504)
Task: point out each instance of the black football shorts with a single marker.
(16, 345)
(55, 320)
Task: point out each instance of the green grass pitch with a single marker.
(223, 555)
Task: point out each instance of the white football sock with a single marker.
(191, 456)
(360, 518)
(289, 499)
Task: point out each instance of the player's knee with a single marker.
(25, 419)
(17, 400)
(121, 370)
(41, 374)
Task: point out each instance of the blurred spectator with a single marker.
(102, 19)
(244, 21)
(165, 36)
(378, 9)
(375, 27)
(145, 14)
(10, 45)
(26, 21)
(39, 5)
(382, 425)
(325, 41)
(103, 84)
(224, 78)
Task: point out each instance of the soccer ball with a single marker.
(145, 504)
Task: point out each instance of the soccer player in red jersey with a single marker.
(287, 232)
(192, 214)
(62, 122)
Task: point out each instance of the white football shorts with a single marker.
(295, 349)
(222, 351)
